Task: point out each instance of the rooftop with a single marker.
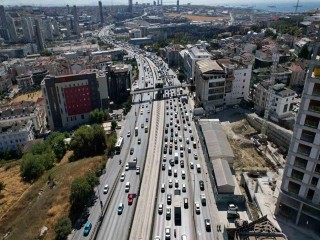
(208, 65)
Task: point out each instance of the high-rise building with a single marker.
(12, 29)
(41, 44)
(299, 198)
(3, 20)
(30, 20)
(68, 9)
(71, 98)
(56, 31)
(48, 30)
(76, 29)
(101, 12)
(26, 30)
(130, 9)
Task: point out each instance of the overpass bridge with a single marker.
(156, 89)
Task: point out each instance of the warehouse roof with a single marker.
(222, 173)
(216, 140)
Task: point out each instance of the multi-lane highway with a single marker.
(171, 167)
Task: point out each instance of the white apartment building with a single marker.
(15, 134)
(191, 56)
(238, 76)
(282, 100)
(221, 83)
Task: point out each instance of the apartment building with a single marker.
(221, 83)
(70, 98)
(282, 99)
(15, 134)
(25, 82)
(299, 198)
(191, 56)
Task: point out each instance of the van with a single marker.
(183, 174)
(198, 168)
(169, 170)
(127, 187)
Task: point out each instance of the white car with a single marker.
(160, 209)
(127, 167)
(128, 134)
(195, 155)
(184, 189)
(122, 177)
(106, 189)
(197, 207)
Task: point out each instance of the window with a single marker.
(310, 194)
(245, 74)
(285, 109)
(314, 181)
(82, 116)
(304, 150)
(317, 169)
(297, 175)
(294, 188)
(300, 163)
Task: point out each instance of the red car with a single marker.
(130, 199)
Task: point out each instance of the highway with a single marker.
(115, 224)
(167, 126)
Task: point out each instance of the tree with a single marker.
(81, 192)
(256, 28)
(114, 124)
(63, 228)
(31, 167)
(59, 147)
(304, 52)
(97, 116)
(181, 77)
(2, 186)
(92, 179)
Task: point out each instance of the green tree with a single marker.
(31, 167)
(92, 179)
(2, 186)
(99, 139)
(81, 192)
(114, 124)
(304, 52)
(256, 28)
(63, 228)
(111, 141)
(97, 116)
(59, 147)
(269, 33)
(181, 77)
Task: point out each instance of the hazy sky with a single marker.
(116, 2)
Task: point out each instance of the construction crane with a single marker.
(270, 95)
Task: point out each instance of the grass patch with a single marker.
(40, 205)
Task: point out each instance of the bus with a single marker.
(136, 131)
(118, 145)
(146, 129)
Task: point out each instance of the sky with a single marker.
(117, 2)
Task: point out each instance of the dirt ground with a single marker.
(28, 97)
(246, 156)
(39, 205)
(199, 18)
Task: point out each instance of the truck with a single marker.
(177, 210)
(132, 165)
(176, 158)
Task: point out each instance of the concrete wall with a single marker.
(275, 133)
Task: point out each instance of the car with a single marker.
(120, 208)
(170, 150)
(106, 189)
(139, 140)
(163, 167)
(147, 119)
(163, 187)
(232, 207)
(164, 159)
(165, 150)
(185, 128)
(195, 155)
(122, 177)
(166, 130)
(171, 162)
(184, 189)
(207, 224)
(131, 151)
(170, 183)
(169, 198)
(168, 213)
(148, 111)
(181, 163)
(130, 199)
(175, 173)
(141, 112)
(197, 207)
(128, 134)
(185, 203)
(87, 228)
(176, 183)
(167, 233)
(187, 140)
(126, 167)
(142, 125)
(181, 153)
(180, 139)
(175, 141)
(201, 184)
(166, 138)
(137, 170)
(176, 134)
(189, 150)
(160, 209)
(190, 130)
